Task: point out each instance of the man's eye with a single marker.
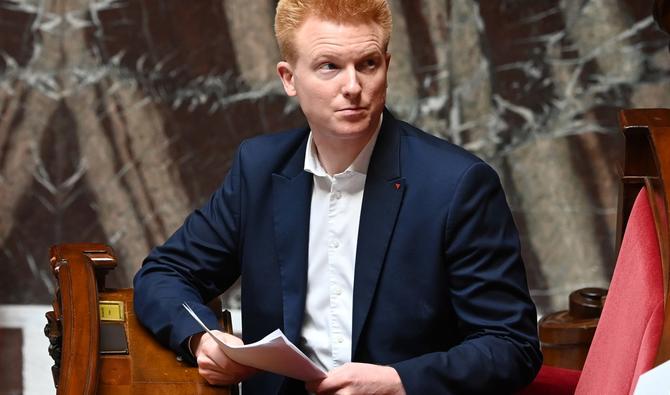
(328, 66)
(370, 64)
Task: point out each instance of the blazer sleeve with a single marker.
(195, 264)
(495, 316)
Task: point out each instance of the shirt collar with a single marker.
(359, 165)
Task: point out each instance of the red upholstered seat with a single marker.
(553, 381)
(629, 331)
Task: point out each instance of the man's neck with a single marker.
(336, 156)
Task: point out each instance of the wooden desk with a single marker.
(81, 332)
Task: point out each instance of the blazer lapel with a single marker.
(292, 194)
(384, 190)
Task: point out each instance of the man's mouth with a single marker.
(351, 110)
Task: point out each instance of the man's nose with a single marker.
(352, 84)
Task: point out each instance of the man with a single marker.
(387, 255)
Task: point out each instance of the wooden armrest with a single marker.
(98, 345)
(77, 298)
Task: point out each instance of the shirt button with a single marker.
(338, 291)
(337, 195)
(340, 339)
(335, 244)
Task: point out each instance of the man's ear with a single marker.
(285, 71)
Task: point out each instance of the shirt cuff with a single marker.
(190, 348)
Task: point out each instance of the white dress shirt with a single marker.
(333, 236)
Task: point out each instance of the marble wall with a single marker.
(118, 117)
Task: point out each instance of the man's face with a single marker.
(339, 77)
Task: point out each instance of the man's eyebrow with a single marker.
(369, 52)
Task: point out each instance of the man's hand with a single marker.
(359, 378)
(213, 364)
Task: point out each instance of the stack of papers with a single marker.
(273, 353)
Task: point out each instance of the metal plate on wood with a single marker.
(112, 310)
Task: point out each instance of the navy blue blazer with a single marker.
(440, 290)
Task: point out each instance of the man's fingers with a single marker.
(312, 386)
(219, 361)
(205, 362)
(359, 378)
(215, 366)
(223, 375)
(215, 377)
(229, 339)
(329, 385)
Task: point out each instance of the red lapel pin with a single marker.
(397, 185)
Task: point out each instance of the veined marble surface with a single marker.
(118, 117)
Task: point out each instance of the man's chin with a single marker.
(354, 130)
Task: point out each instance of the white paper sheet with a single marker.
(654, 382)
(273, 353)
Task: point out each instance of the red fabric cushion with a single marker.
(628, 331)
(650, 342)
(553, 381)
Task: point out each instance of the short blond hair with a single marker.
(291, 14)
